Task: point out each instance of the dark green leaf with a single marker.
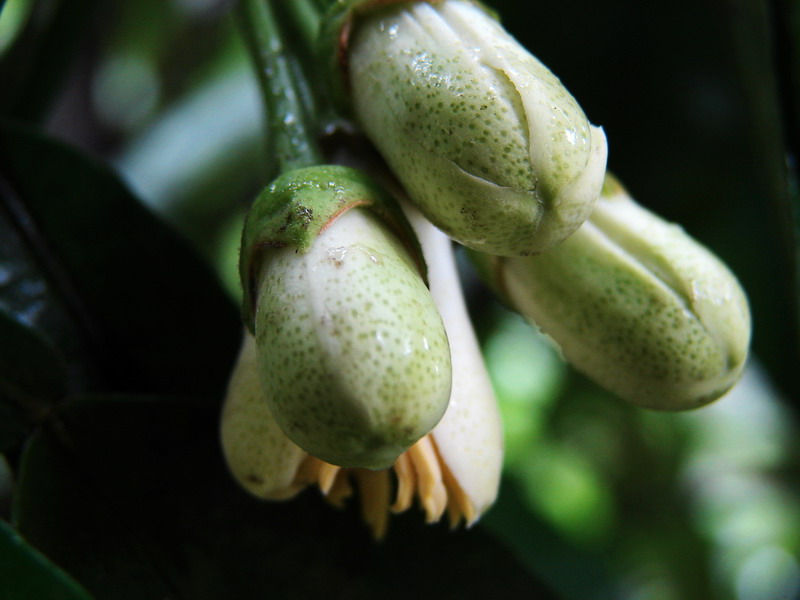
(154, 314)
(27, 575)
(32, 379)
(762, 55)
(33, 70)
(13, 427)
(133, 498)
(28, 297)
(30, 373)
(62, 512)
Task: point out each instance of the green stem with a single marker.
(290, 110)
(306, 18)
(322, 6)
(301, 21)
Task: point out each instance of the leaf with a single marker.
(27, 575)
(13, 427)
(36, 66)
(21, 349)
(59, 511)
(32, 379)
(29, 298)
(758, 37)
(133, 499)
(155, 316)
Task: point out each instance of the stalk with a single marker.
(290, 109)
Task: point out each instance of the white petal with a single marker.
(469, 437)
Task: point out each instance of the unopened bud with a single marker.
(352, 353)
(636, 304)
(487, 142)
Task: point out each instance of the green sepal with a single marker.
(338, 25)
(295, 208)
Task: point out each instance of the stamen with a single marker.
(458, 504)
(315, 471)
(419, 471)
(432, 492)
(374, 491)
(327, 475)
(308, 471)
(341, 489)
(405, 483)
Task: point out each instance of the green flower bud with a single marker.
(486, 140)
(263, 460)
(636, 304)
(352, 353)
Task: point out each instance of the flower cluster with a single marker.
(360, 369)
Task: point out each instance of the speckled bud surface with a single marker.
(638, 305)
(260, 457)
(350, 345)
(486, 140)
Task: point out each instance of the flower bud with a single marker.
(636, 304)
(352, 353)
(259, 456)
(488, 143)
(455, 469)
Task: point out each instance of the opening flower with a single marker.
(352, 352)
(455, 469)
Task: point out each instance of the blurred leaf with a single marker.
(132, 497)
(32, 378)
(30, 373)
(785, 22)
(13, 427)
(29, 298)
(63, 512)
(202, 154)
(34, 68)
(754, 47)
(575, 574)
(155, 315)
(12, 20)
(27, 575)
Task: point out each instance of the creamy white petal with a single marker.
(469, 438)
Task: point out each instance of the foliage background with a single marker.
(131, 143)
